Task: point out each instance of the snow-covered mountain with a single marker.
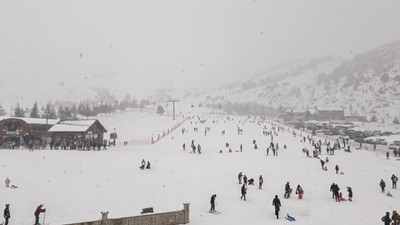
(366, 85)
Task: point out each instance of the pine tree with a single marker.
(373, 118)
(34, 111)
(396, 120)
(49, 112)
(160, 109)
(2, 111)
(18, 111)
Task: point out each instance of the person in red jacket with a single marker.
(37, 213)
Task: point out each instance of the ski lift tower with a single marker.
(173, 107)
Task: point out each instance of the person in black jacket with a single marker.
(350, 193)
(243, 190)
(386, 219)
(394, 181)
(7, 214)
(277, 203)
(382, 184)
(212, 202)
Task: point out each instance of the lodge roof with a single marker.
(73, 126)
(41, 121)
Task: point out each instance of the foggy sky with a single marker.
(204, 41)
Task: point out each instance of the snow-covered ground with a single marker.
(75, 186)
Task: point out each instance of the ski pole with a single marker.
(44, 218)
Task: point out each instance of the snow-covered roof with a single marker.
(72, 126)
(329, 108)
(33, 120)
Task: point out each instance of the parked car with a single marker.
(394, 147)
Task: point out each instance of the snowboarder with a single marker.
(288, 190)
(240, 177)
(382, 184)
(394, 181)
(212, 202)
(337, 169)
(386, 219)
(299, 191)
(260, 182)
(277, 203)
(350, 193)
(243, 191)
(7, 214)
(37, 213)
(7, 182)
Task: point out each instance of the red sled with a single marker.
(13, 186)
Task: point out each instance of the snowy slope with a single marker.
(75, 186)
(366, 85)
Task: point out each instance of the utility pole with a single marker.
(173, 107)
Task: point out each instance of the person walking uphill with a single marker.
(386, 219)
(382, 184)
(7, 182)
(37, 213)
(277, 203)
(7, 214)
(243, 191)
(394, 181)
(212, 202)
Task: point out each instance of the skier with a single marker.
(277, 203)
(260, 182)
(299, 191)
(243, 190)
(37, 213)
(212, 202)
(350, 193)
(382, 184)
(7, 182)
(288, 190)
(386, 219)
(7, 214)
(337, 169)
(394, 181)
(240, 177)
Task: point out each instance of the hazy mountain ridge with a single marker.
(366, 85)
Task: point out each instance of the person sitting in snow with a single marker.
(148, 165)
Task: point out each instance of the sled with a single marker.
(341, 173)
(389, 194)
(290, 218)
(214, 212)
(13, 186)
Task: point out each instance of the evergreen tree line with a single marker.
(84, 109)
(247, 108)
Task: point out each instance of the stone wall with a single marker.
(167, 218)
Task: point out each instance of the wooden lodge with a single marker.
(16, 132)
(77, 134)
(329, 113)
